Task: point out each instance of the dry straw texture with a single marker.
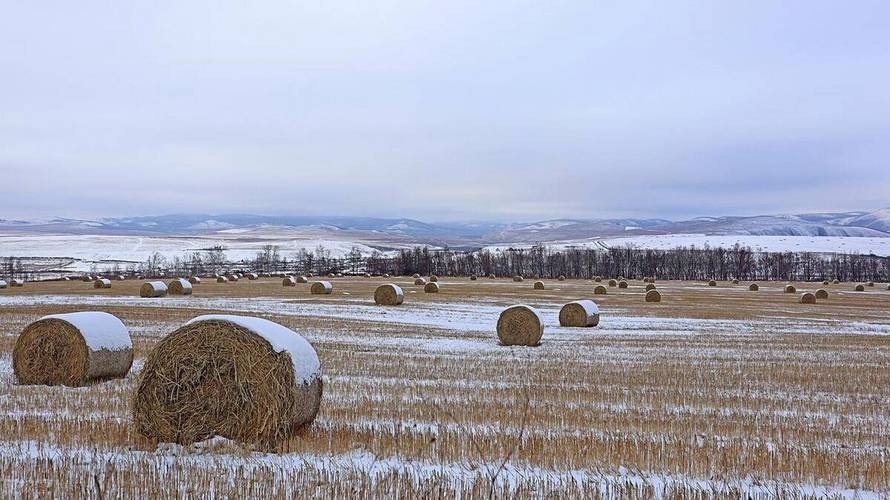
(194, 280)
(321, 288)
(434, 278)
(613, 283)
(860, 288)
(222, 279)
(712, 283)
(790, 289)
(539, 285)
(217, 378)
(821, 294)
(431, 287)
(622, 284)
(650, 286)
(153, 289)
(103, 283)
(598, 279)
(419, 281)
(753, 287)
(289, 281)
(302, 279)
(807, 298)
(653, 296)
(836, 282)
(520, 325)
(581, 313)
(233, 277)
(52, 351)
(389, 295)
(599, 290)
(180, 286)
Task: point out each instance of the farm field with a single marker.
(715, 391)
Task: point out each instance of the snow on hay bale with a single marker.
(72, 349)
(243, 378)
(581, 313)
(821, 294)
(539, 285)
(807, 298)
(120, 277)
(561, 278)
(613, 282)
(491, 276)
(434, 278)
(102, 283)
(415, 276)
(321, 288)
(233, 277)
(419, 281)
(87, 278)
(389, 295)
(650, 286)
(753, 287)
(653, 296)
(518, 278)
(302, 279)
(153, 289)
(599, 290)
(253, 276)
(790, 289)
(289, 281)
(17, 283)
(179, 286)
(520, 325)
(598, 279)
(712, 283)
(3, 284)
(836, 282)
(194, 280)
(870, 283)
(735, 282)
(222, 279)
(431, 287)
(859, 288)
(622, 284)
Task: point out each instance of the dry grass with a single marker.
(734, 407)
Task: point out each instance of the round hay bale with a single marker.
(491, 276)
(389, 295)
(3, 284)
(539, 285)
(561, 278)
(790, 289)
(888, 287)
(153, 289)
(289, 281)
(520, 325)
(302, 279)
(367, 275)
(321, 288)
(415, 276)
(72, 349)
(431, 287)
(419, 281)
(581, 313)
(17, 283)
(712, 283)
(472, 277)
(653, 296)
(823, 284)
(735, 282)
(836, 282)
(252, 276)
(87, 278)
(194, 280)
(598, 279)
(434, 278)
(622, 284)
(222, 279)
(120, 277)
(753, 287)
(386, 275)
(650, 286)
(179, 286)
(859, 288)
(518, 278)
(613, 283)
(599, 290)
(246, 379)
(233, 277)
(870, 283)
(821, 294)
(102, 283)
(807, 298)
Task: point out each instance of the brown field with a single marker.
(715, 391)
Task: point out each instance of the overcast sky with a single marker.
(444, 110)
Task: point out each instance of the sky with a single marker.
(457, 110)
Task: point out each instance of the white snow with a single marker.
(3, 284)
(589, 306)
(99, 330)
(307, 367)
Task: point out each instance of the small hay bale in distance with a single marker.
(179, 286)
(598, 279)
(153, 289)
(72, 349)
(821, 294)
(653, 296)
(539, 285)
(87, 278)
(473, 277)
(415, 276)
(222, 279)
(712, 283)
(790, 289)
(824, 283)
(431, 287)
(102, 283)
(434, 278)
(599, 290)
(613, 282)
(859, 288)
(518, 278)
(120, 277)
(870, 283)
(233, 277)
(289, 281)
(561, 278)
(17, 283)
(321, 288)
(3, 284)
(622, 284)
(243, 378)
(419, 281)
(520, 325)
(836, 282)
(389, 294)
(807, 298)
(367, 275)
(650, 286)
(302, 279)
(491, 276)
(753, 287)
(580, 314)
(735, 282)
(194, 280)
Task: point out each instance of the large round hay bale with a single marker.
(807, 298)
(222, 279)
(650, 286)
(179, 286)
(389, 295)
(434, 278)
(599, 290)
(302, 279)
(102, 283)
(613, 282)
(712, 283)
(622, 284)
(753, 287)
(653, 296)
(153, 289)
(194, 280)
(790, 289)
(539, 285)
(859, 288)
(520, 325)
(581, 313)
(821, 294)
(518, 278)
(242, 378)
(72, 349)
(321, 288)
(431, 287)
(419, 281)
(289, 281)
